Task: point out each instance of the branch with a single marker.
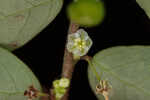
(68, 63)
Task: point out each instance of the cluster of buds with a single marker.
(60, 87)
(79, 43)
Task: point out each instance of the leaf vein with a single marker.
(122, 81)
(26, 9)
(10, 76)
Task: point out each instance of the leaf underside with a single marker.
(15, 77)
(127, 68)
(21, 20)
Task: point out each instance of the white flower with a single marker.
(79, 43)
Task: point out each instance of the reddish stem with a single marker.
(68, 63)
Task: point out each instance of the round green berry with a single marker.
(86, 12)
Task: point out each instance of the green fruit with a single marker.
(86, 12)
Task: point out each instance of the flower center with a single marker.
(80, 44)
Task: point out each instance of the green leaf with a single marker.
(21, 20)
(127, 69)
(145, 4)
(15, 77)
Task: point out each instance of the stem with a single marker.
(88, 59)
(106, 97)
(52, 95)
(41, 94)
(68, 63)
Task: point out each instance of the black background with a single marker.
(125, 24)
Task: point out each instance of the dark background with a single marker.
(125, 24)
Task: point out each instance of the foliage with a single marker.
(21, 20)
(145, 5)
(126, 69)
(15, 77)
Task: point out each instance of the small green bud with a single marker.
(58, 96)
(56, 83)
(86, 12)
(60, 87)
(79, 43)
(64, 82)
